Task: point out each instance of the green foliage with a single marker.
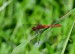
(17, 17)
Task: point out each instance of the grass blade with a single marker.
(66, 42)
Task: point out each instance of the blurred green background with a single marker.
(17, 17)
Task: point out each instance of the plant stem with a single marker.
(66, 42)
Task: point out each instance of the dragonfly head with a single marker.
(34, 28)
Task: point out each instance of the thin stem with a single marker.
(66, 42)
(66, 15)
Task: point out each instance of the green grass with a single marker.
(17, 17)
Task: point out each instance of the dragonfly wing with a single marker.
(39, 32)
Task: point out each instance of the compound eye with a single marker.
(34, 28)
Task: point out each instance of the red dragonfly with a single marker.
(38, 27)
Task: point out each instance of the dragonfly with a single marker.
(41, 28)
(38, 27)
